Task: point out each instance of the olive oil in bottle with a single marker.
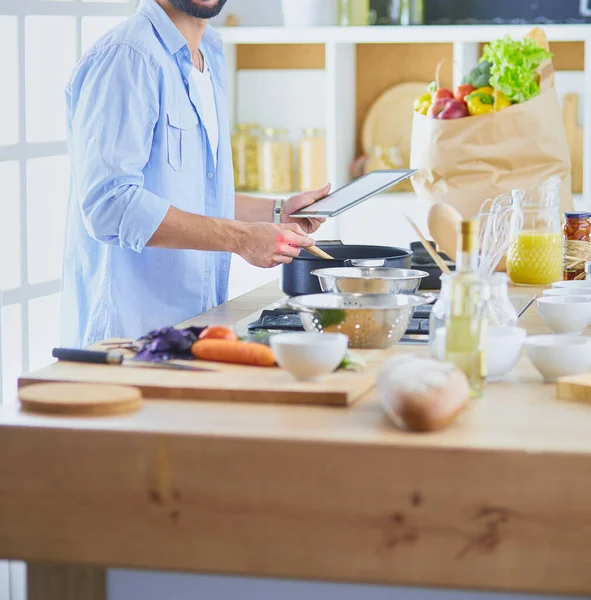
(466, 312)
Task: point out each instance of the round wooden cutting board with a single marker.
(389, 122)
(80, 399)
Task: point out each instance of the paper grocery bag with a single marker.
(463, 162)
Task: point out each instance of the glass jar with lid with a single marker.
(275, 161)
(245, 147)
(353, 12)
(576, 229)
(312, 159)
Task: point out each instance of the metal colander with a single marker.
(370, 320)
(370, 280)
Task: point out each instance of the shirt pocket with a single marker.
(182, 138)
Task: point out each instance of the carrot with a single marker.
(243, 353)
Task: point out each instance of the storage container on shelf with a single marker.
(312, 159)
(275, 161)
(245, 149)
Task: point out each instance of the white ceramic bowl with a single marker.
(503, 349)
(559, 355)
(566, 314)
(576, 284)
(308, 356)
(570, 291)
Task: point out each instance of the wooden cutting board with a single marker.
(228, 382)
(389, 123)
(79, 399)
(574, 137)
(574, 387)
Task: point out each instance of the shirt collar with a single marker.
(167, 30)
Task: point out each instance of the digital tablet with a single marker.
(355, 192)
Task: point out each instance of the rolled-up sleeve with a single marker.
(114, 110)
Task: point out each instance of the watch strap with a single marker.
(277, 210)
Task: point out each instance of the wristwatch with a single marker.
(277, 211)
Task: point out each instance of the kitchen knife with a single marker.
(115, 358)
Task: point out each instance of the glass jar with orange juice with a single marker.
(535, 256)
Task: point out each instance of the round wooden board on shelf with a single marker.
(80, 399)
(389, 121)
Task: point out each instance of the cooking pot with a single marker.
(422, 261)
(297, 278)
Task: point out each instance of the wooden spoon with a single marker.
(429, 248)
(318, 253)
(444, 224)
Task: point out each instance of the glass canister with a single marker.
(437, 320)
(275, 161)
(535, 257)
(576, 230)
(501, 312)
(353, 12)
(245, 147)
(312, 159)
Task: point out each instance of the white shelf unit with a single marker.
(380, 220)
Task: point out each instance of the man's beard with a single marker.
(195, 9)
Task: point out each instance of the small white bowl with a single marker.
(556, 356)
(503, 349)
(566, 314)
(575, 284)
(308, 356)
(581, 291)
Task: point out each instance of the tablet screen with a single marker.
(355, 192)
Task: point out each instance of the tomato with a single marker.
(442, 93)
(462, 91)
(217, 332)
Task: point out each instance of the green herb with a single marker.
(513, 67)
(352, 362)
(330, 316)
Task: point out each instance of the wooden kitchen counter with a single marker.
(500, 501)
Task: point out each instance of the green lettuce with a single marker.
(513, 67)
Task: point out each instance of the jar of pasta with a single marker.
(576, 229)
(275, 161)
(312, 159)
(245, 146)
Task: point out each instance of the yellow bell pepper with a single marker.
(423, 103)
(486, 100)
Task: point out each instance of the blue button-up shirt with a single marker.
(137, 146)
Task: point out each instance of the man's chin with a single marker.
(200, 9)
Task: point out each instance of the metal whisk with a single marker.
(500, 223)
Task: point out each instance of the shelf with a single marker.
(396, 35)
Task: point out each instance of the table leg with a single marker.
(46, 581)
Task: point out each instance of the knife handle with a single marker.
(87, 356)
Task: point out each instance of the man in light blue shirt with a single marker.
(152, 214)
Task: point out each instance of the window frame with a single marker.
(22, 151)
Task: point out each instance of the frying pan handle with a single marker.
(329, 243)
(365, 262)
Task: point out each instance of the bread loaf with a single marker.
(420, 393)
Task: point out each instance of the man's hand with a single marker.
(267, 245)
(300, 201)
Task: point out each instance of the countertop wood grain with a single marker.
(499, 501)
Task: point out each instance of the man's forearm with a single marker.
(181, 230)
(253, 210)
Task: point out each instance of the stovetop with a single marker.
(285, 319)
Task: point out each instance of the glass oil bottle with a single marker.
(465, 322)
